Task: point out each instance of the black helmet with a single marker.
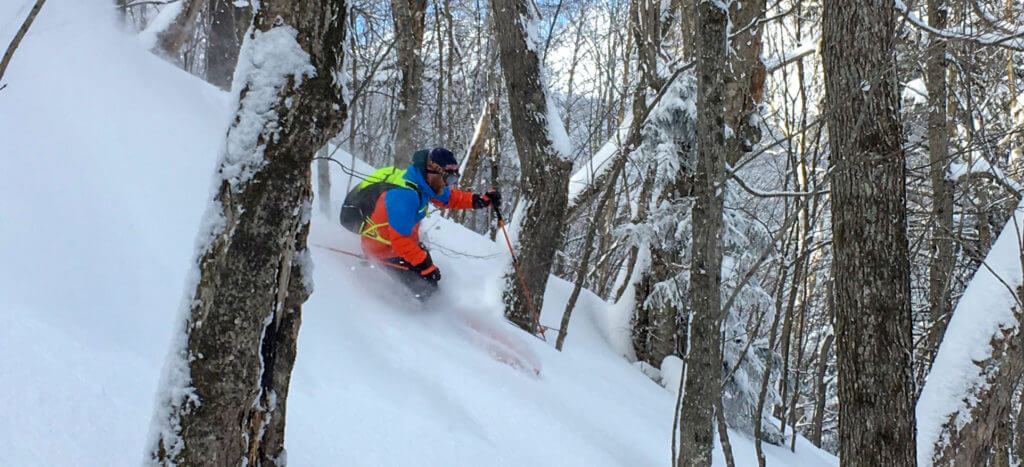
(439, 161)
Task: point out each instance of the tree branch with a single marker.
(17, 37)
(1000, 41)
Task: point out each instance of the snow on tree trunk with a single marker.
(871, 267)
(410, 18)
(544, 153)
(703, 385)
(979, 363)
(225, 383)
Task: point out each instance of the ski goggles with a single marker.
(450, 172)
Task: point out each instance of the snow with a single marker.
(556, 131)
(986, 307)
(159, 24)
(266, 64)
(978, 164)
(107, 162)
(598, 164)
(915, 92)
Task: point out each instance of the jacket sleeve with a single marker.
(457, 199)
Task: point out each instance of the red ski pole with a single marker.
(522, 282)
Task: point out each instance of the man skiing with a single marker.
(387, 207)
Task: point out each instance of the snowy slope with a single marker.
(106, 154)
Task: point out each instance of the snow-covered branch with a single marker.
(770, 194)
(776, 63)
(1012, 41)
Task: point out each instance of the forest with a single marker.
(802, 217)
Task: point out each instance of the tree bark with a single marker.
(229, 372)
(545, 172)
(323, 182)
(745, 87)
(940, 269)
(871, 266)
(16, 41)
(704, 356)
(228, 24)
(410, 23)
(990, 406)
(820, 393)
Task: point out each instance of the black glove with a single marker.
(433, 276)
(487, 199)
(427, 270)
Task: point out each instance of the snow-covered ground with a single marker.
(106, 155)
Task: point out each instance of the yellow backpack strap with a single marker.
(392, 176)
(369, 230)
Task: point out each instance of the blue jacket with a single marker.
(406, 208)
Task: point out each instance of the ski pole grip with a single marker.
(498, 212)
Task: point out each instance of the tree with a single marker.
(227, 28)
(871, 269)
(969, 395)
(174, 36)
(543, 153)
(941, 266)
(704, 355)
(410, 16)
(226, 382)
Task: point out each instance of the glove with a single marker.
(433, 276)
(427, 270)
(487, 199)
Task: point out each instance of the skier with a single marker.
(387, 207)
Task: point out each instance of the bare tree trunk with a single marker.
(171, 39)
(472, 162)
(871, 266)
(228, 374)
(766, 378)
(410, 23)
(1017, 454)
(545, 169)
(323, 182)
(228, 24)
(941, 268)
(704, 355)
(687, 26)
(581, 274)
(819, 398)
(723, 434)
(494, 138)
(18, 37)
(745, 87)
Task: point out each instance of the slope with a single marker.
(107, 154)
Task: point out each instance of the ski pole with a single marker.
(364, 259)
(522, 282)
